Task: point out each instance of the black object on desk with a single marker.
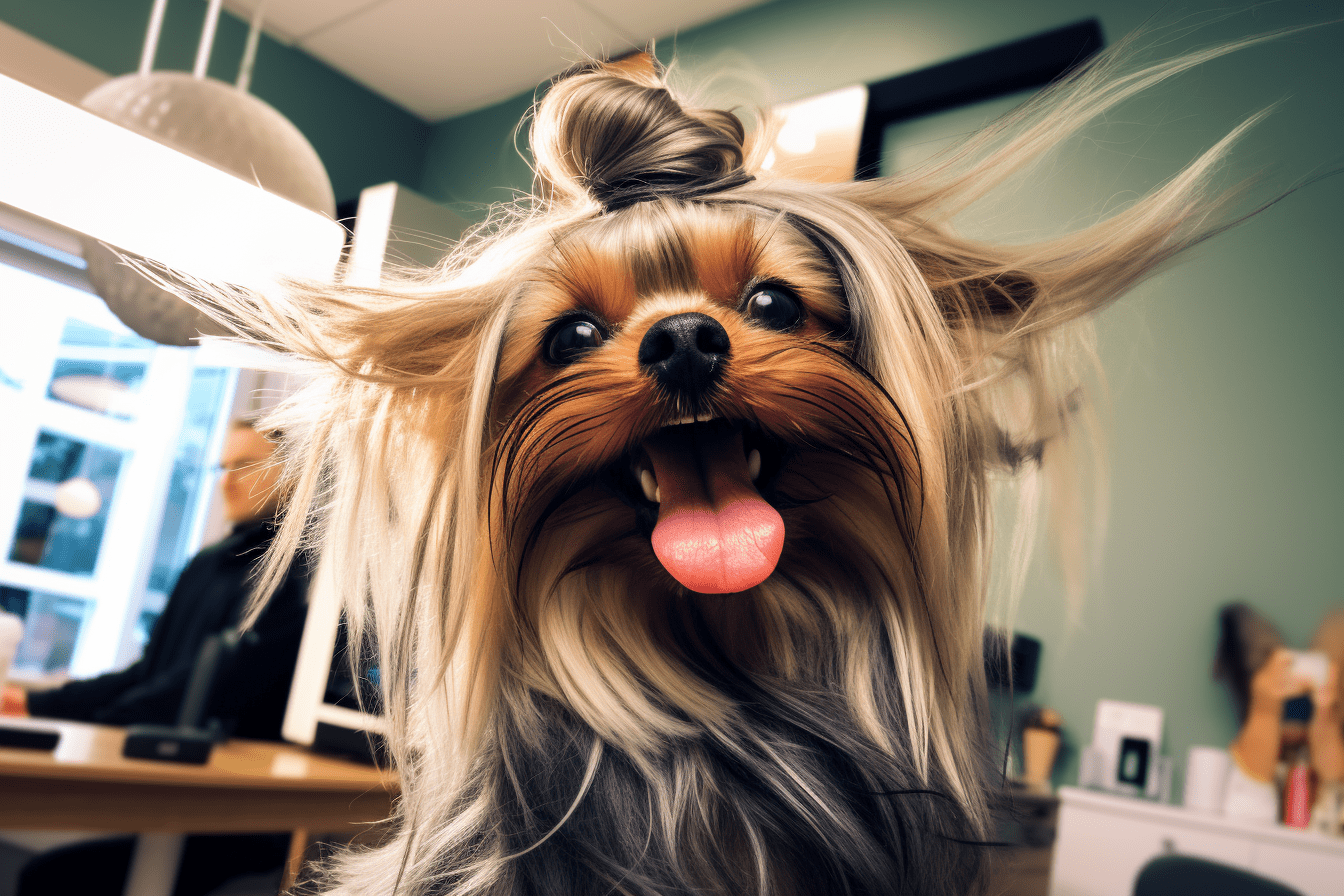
(192, 738)
(29, 738)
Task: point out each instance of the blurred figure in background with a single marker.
(1287, 719)
(210, 597)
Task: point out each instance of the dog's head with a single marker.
(677, 432)
(682, 390)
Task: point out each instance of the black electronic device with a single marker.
(193, 737)
(29, 738)
(335, 703)
(1298, 709)
(168, 743)
(1011, 665)
(1133, 763)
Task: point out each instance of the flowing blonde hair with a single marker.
(974, 353)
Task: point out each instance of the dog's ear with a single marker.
(613, 133)
(976, 290)
(990, 288)
(1023, 289)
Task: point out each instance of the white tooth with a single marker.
(657, 495)
(703, 418)
(754, 464)
(682, 421)
(649, 484)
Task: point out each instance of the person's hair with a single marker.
(1246, 641)
(258, 424)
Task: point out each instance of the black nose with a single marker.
(685, 352)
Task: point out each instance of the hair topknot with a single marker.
(613, 131)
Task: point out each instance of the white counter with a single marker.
(1104, 840)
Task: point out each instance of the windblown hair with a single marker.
(566, 717)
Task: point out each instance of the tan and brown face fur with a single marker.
(839, 462)
(660, 258)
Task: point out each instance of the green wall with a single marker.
(362, 138)
(475, 160)
(1226, 416)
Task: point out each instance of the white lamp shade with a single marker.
(101, 394)
(78, 498)
(224, 127)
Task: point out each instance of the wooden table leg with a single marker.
(298, 845)
(154, 865)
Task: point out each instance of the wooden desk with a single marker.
(247, 787)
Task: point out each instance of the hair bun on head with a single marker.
(613, 131)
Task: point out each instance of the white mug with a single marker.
(1206, 771)
(11, 633)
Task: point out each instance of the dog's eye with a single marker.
(776, 308)
(569, 339)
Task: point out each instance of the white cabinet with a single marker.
(1103, 842)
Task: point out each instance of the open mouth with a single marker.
(701, 487)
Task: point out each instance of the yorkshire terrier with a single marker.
(666, 501)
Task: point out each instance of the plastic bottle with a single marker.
(11, 633)
(1297, 792)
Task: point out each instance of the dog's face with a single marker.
(685, 372)
(682, 418)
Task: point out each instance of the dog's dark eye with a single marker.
(569, 339)
(776, 308)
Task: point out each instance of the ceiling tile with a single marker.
(646, 20)
(439, 59)
(293, 20)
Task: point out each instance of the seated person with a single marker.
(210, 597)
(1258, 668)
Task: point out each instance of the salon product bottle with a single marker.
(1297, 792)
(11, 633)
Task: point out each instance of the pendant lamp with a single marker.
(218, 123)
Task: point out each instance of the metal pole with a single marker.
(151, 47)
(207, 39)
(250, 48)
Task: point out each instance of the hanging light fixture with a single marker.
(78, 498)
(100, 394)
(218, 123)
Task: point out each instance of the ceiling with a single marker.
(440, 58)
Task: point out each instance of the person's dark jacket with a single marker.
(211, 595)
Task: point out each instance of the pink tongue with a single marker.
(715, 534)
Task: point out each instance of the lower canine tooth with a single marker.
(754, 464)
(649, 484)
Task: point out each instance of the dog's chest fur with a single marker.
(789, 800)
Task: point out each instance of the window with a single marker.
(105, 465)
(71, 371)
